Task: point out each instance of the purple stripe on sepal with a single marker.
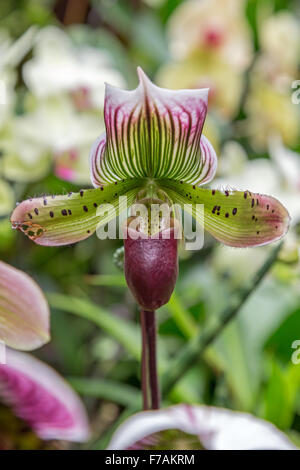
(39, 396)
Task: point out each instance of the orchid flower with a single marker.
(24, 311)
(280, 41)
(65, 89)
(153, 150)
(11, 54)
(213, 27)
(211, 45)
(198, 427)
(39, 396)
(53, 133)
(153, 142)
(36, 393)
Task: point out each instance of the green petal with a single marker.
(235, 218)
(61, 220)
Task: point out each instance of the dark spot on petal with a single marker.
(234, 211)
(95, 204)
(268, 207)
(181, 182)
(226, 193)
(88, 231)
(194, 187)
(45, 202)
(101, 187)
(116, 182)
(51, 214)
(81, 193)
(85, 209)
(213, 192)
(253, 217)
(36, 211)
(252, 203)
(226, 215)
(29, 215)
(257, 202)
(69, 212)
(64, 212)
(273, 211)
(257, 232)
(245, 194)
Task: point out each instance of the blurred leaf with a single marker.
(117, 13)
(280, 394)
(280, 342)
(109, 280)
(109, 390)
(168, 7)
(71, 352)
(148, 41)
(125, 332)
(182, 317)
(236, 366)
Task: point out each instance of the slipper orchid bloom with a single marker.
(198, 427)
(153, 150)
(153, 143)
(24, 311)
(39, 396)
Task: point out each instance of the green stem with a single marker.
(190, 353)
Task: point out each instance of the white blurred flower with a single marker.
(211, 46)
(217, 26)
(280, 41)
(11, 53)
(224, 82)
(270, 109)
(288, 164)
(53, 132)
(212, 428)
(59, 67)
(279, 176)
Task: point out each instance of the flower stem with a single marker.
(144, 363)
(149, 363)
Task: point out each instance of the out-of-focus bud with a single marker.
(150, 264)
